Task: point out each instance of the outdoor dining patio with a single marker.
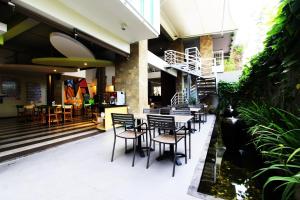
(85, 165)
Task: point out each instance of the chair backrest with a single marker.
(58, 109)
(20, 108)
(182, 108)
(51, 110)
(165, 110)
(180, 112)
(151, 110)
(125, 120)
(201, 106)
(68, 108)
(161, 122)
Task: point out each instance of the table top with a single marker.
(195, 109)
(177, 118)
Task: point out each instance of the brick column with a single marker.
(132, 77)
(206, 51)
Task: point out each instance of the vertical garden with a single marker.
(267, 98)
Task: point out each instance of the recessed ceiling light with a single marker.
(85, 64)
(54, 70)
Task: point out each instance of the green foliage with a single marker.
(192, 101)
(235, 60)
(229, 65)
(272, 74)
(272, 79)
(276, 135)
(227, 94)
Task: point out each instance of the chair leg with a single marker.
(134, 151)
(174, 161)
(125, 145)
(159, 149)
(148, 152)
(190, 147)
(153, 137)
(185, 151)
(147, 142)
(199, 122)
(113, 151)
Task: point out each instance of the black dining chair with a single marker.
(188, 131)
(165, 111)
(201, 113)
(168, 135)
(129, 131)
(150, 111)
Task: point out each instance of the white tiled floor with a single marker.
(82, 170)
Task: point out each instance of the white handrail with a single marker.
(178, 98)
(191, 61)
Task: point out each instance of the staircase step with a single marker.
(25, 150)
(20, 132)
(20, 143)
(37, 133)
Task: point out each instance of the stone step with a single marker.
(40, 130)
(25, 150)
(25, 141)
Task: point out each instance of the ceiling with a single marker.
(223, 42)
(101, 19)
(111, 14)
(190, 18)
(72, 62)
(35, 68)
(34, 42)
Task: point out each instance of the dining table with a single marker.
(186, 119)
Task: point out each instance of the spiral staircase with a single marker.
(190, 62)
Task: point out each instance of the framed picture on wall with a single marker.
(33, 92)
(10, 88)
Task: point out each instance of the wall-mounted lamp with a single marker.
(109, 88)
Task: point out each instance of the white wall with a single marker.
(109, 72)
(232, 76)
(8, 107)
(78, 74)
(91, 75)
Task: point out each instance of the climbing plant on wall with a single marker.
(272, 80)
(273, 75)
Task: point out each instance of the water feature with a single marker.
(231, 161)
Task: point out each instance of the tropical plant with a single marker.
(276, 134)
(272, 76)
(227, 94)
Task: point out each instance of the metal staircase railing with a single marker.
(191, 62)
(182, 61)
(179, 98)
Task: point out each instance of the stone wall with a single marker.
(132, 77)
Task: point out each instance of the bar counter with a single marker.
(106, 122)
